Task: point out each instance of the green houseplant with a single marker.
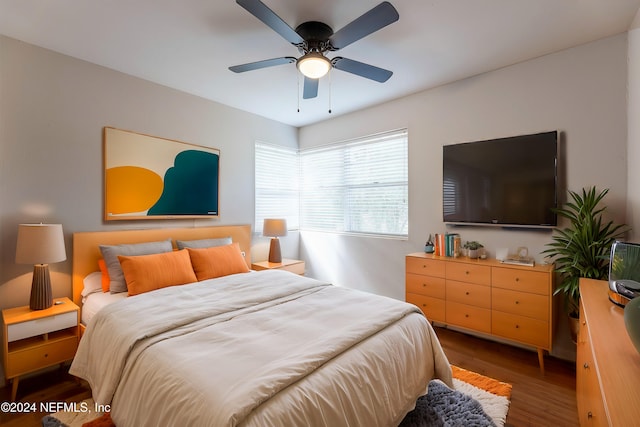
(582, 248)
(472, 248)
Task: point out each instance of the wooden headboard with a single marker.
(86, 252)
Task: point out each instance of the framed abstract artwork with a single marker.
(147, 177)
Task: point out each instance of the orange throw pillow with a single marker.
(144, 273)
(218, 261)
(105, 275)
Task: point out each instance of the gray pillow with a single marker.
(110, 254)
(203, 243)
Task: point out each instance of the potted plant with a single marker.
(472, 248)
(582, 248)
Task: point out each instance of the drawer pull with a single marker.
(589, 414)
(424, 285)
(466, 315)
(466, 293)
(517, 279)
(517, 326)
(466, 272)
(586, 365)
(517, 302)
(46, 355)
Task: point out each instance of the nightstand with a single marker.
(292, 265)
(36, 339)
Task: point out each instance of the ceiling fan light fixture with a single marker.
(313, 65)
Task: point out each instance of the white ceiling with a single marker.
(189, 44)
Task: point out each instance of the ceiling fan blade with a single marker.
(262, 64)
(373, 20)
(361, 69)
(310, 89)
(266, 15)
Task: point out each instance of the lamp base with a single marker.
(41, 295)
(274, 251)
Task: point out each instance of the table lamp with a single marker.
(275, 228)
(40, 245)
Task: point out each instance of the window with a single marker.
(276, 185)
(360, 186)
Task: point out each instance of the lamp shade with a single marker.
(274, 227)
(40, 244)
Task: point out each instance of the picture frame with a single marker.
(148, 177)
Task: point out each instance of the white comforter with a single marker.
(259, 349)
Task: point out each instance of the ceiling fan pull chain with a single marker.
(330, 91)
(298, 91)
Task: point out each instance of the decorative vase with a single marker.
(632, 321)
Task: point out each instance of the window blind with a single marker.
(276, 185)
(360, 186)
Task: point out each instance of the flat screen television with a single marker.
(508, 182)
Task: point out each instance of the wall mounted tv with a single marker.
(507, 182)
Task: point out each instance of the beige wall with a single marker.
(580, 91)
(52, 111)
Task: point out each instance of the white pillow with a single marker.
(92, 284)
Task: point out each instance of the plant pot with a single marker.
(574, 328)
(473, 253)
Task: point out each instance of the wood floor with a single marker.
(537, 400)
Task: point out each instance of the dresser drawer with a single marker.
(433, 308)
(469, 293)
(40, 356)
(519, 328)
(520, 303)
(425, 285)
(470, 273)
(467, 316)
(521, 280)
(591, 410)
(31, 328)
(429, 267)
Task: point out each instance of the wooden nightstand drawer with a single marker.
(433, 308)
(521, 280)
(49, 352)
(297, 268)
(519, 328)
(429, 267)
(520, 303)
(469, 293)
(470, 273)
(292, 265)
(467, 316)
(31, 328)
(425, 285)
(36, 339)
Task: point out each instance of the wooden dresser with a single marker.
(607, 363)
(511, 302)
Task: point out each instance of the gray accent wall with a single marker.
(52, 112)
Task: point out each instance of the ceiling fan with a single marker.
(314, 38)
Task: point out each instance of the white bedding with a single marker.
(260, 349)
(94, 302)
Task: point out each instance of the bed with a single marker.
(251, 348)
